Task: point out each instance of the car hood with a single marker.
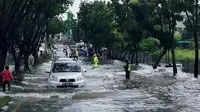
(68, 75)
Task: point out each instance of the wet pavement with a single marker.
(106, 90)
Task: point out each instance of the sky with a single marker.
(75, 8)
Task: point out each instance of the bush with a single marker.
(4, 101)
(149, 45)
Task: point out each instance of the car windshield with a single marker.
(65, 67)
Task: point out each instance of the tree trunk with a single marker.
(174, 62)
(172, 49)
(3, 55)
(124, 56)
(17, 63)
(129, 55)
(17, 59)
(196, 62)
(35, 60)
(168, 59)
(26, 63)
(133, 54)
(136, 56)
(158, 60)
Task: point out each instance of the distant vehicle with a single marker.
(58, 54)
(82, 52)
(66, 74)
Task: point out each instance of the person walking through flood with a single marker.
(127, 68)
(76, 54)
(7, 77)
(95, 60)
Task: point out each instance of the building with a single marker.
(68, 32)
(180, 27)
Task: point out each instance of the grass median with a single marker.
(4, 101)
(184, 54)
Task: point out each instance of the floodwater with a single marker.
(106, 90)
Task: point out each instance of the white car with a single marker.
(66, 74)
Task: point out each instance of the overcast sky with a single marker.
(75, 7)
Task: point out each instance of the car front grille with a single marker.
(67, 80)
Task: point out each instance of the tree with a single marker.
(169, 15)
(95, 20)
(22, 25)
(11, 15)
(192, 22)
(55, 26)
(150, 45)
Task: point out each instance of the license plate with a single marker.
(67, 84)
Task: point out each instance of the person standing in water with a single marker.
(127, 68)
(76, 54)
(95, 60)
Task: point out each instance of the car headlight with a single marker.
(53, 78)
(79, 78)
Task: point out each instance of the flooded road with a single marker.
(106, 90)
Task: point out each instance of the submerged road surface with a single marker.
(106, 90)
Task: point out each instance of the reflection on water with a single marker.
(106, 90)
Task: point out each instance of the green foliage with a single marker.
(149, 45)
(156, 53)
(134, 2)
(4, 101)
(23, 23)
(157, 27)
(177, 36)
(185, 54)
(55, 26)
(96, 21)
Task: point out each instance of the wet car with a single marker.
(82, 52)
(66, 74)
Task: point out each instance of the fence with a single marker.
(143, 57)
(188, 66)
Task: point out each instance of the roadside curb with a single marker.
(5, 108)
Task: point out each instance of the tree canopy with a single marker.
(23, 23)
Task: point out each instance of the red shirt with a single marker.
(7, 76)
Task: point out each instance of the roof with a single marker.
(183, 42)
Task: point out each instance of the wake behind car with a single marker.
(66, 74)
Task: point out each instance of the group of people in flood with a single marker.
(103, 53)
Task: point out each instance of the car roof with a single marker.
(63, 59)
(66, 61)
